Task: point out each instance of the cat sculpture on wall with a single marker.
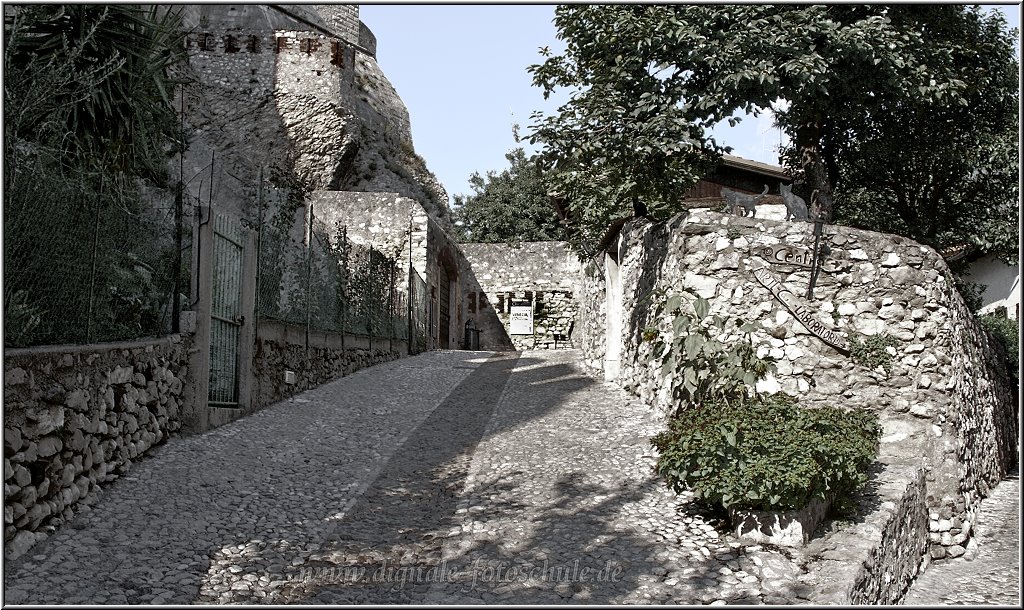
(743, 204)
(796, 208)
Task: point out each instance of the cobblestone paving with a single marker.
(226, 516)
(992, 577)
(451, 477)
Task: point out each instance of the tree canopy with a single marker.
(649, 82)
(90, 82)
(945, 175)
(512, 206)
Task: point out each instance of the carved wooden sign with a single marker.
(783, 254)
(798, 256)
(799, 309)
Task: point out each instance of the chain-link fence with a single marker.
(90, 263)
(331, 284)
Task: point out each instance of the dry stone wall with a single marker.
(280, 347)
(943, 402)
(543, 274)
(76, 417)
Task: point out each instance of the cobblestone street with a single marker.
(447, 478)
(451, 477)
(992, 576)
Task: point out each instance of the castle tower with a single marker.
(342, 19)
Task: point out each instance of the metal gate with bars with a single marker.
(225, 314)
(417, 313)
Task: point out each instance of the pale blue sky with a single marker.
(461, 71)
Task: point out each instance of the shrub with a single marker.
(1007, 332)
(705, 358)
(766, 453)
(874, 351)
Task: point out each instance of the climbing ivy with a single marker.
(873, 351)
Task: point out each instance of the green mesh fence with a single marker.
(333, 284)
(86, 264)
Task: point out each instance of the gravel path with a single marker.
(993, 575)
(450, 477)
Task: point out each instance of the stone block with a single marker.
(16, 376)
(120, 374)
(46, 418)
(49, 445)
(21, 475)
(784, 528)
(78, 400)
(12, 440)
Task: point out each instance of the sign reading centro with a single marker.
(786, 254)
(799, 309)
(790, 255)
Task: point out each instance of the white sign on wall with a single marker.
(521, 320)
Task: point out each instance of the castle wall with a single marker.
(541, 273)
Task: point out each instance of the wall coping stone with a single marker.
(72, 348)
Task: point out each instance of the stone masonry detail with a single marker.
(943, 399)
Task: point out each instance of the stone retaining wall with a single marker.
(281, 347)
(78, 416)
(874, 560)
(944, 399)
(541, 273)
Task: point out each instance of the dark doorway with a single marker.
(444, 309)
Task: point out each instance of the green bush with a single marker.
(704, 358)
(873, 351)
(766, 453)
(1007, 332)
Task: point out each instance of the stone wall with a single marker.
(543, 274)
(589, 333)
(367, 41)
(281, 347)
(342, 19)
(383, 220)
(944, 402)
(76, 417)
(874, 561)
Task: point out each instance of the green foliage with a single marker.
(768, 453)
(87, 114)
(92, 82)
(1007, 333)
(969, 291)
(873, 351)
(704, 358)
(649, 81)
(511, 207)
(951, 177)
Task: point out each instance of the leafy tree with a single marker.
(86, 116)
(942, 174)
(650, 81)
(512, 206)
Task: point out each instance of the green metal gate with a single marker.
(417, 313)
(225, 314)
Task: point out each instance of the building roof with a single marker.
(774, 171)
